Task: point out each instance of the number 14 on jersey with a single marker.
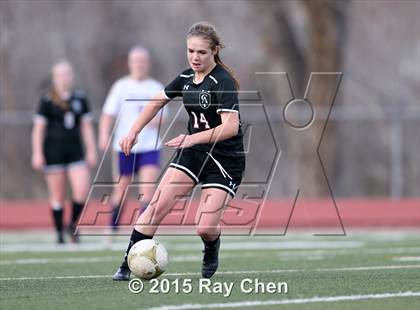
(202, 120)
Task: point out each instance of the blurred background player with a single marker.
(145, 158)
(63, 145)
(212, 153)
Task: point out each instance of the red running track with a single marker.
(242, 215)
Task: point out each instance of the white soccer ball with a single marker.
(147, 259)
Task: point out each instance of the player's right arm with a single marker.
(148, 113)
(38, 134)
(110, 109)
(105, 124)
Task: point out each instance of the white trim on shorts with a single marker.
(63, 167)
(87, 116)
(54, 168)
(186, 170)
(219, 186)
(76, 163)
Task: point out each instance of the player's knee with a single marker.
(119, 189)
(162, 204)
(58, 196)
(147, 197)
(153, 214)
(160, 212)
(80, 195)
(57, 204)
(124, 181)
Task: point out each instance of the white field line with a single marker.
(283, 256)
(270, 235)
(247, 272)
(102, 259)
(229, 246)
(407, 259)
(55, 278)
(364, 251)
(42, 261)
(281, 245)
(315, 299)
(363, 268)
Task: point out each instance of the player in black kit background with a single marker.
(211, 153)
(63, 145)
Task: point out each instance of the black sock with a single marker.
(57, 214)
(136, 236)
(114, 217)
(210, 244)
(77, 209)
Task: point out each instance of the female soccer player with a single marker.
(62, 129)
(145, 156)
(211, 153)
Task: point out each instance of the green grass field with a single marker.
(363, 270)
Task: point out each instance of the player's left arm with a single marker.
(227, 129)
(88, 135)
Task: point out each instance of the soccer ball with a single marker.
(147, 259)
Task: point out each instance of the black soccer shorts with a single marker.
(213, 171)
(59, 157)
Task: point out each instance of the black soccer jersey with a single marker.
(63, 125)
(204, 102)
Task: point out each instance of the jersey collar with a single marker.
(205, 77)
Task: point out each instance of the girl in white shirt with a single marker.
(123, 104)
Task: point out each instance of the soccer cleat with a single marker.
(210, 260)
(122, 274)
(60, 239)
(71, 230)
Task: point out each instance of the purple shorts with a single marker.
(132, 163)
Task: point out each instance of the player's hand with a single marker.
(127, 143)
(38, 161)
(180, 142)
(91, 158)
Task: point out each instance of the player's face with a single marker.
(62, 77)
(138, 64)
(200, 55)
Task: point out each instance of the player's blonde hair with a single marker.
(208, 32)
(55, 98)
